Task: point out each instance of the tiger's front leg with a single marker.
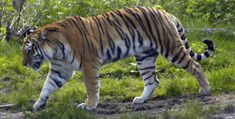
(92, 85)
(56, 79)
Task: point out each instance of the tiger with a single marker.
(87, 43)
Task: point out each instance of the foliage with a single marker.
(40, 12)
(21, 86)
(211, 10)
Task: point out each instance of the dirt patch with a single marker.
(10, 115)
(155, 106)
(158, 105)
(6, 113)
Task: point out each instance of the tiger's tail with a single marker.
(209, 51)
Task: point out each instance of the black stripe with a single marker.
(139, 63)
(53, 63)
(120, 32)
(100, 39)
(206, 54)
(70, 21)
(140, 38)
(182, 58)
(80, 65)
(130, 28)
(108, 55)
(144, 28)
(187, 65)
(118, 56)
(176, 57)
(60, 45)
(147, 68)
(104, 21)
(61, 24)
(156, 80)
(130, 21)
(186, 45)
(192, 53)
(131, 12)
(149, 26)
(160, 17)
(167, 42)
(180, 30)
(46, 55)
(58, 83)
(153, 21)
(51, 84)
(84, 31)
(183, 37)
(199, 57)
(153, 74)
(138, 19)
(156, 28)
(59, 74)
(177, 24)
(127, 44)
(148, 22)
(150, 83)
(144, 73)
(78, 27)
(147, 19)
(98, 21)
(110, 41)
(95, 66)
(115, 19)
(106, 16)
(131, 31)
(81, 31)
(151, 53)
(84, 26)
(210, 44)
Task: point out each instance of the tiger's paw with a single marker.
(86, 107)
(138, 100)
(39, 104)
(204, 92)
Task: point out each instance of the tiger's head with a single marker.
(32, 49)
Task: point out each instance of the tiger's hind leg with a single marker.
(185, 61)
(147, 68)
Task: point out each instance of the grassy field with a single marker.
(120, 81)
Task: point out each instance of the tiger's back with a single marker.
(132, 31)
(127, 32)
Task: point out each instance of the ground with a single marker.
(155, 107)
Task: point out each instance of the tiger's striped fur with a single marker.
(86, 44)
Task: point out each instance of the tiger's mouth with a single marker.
(36, 66)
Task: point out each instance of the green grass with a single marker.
(191, 110)
(61, 110)
(120, 81)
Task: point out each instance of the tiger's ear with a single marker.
(43, 35)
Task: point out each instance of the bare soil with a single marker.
(155, 106)
(159, 105)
